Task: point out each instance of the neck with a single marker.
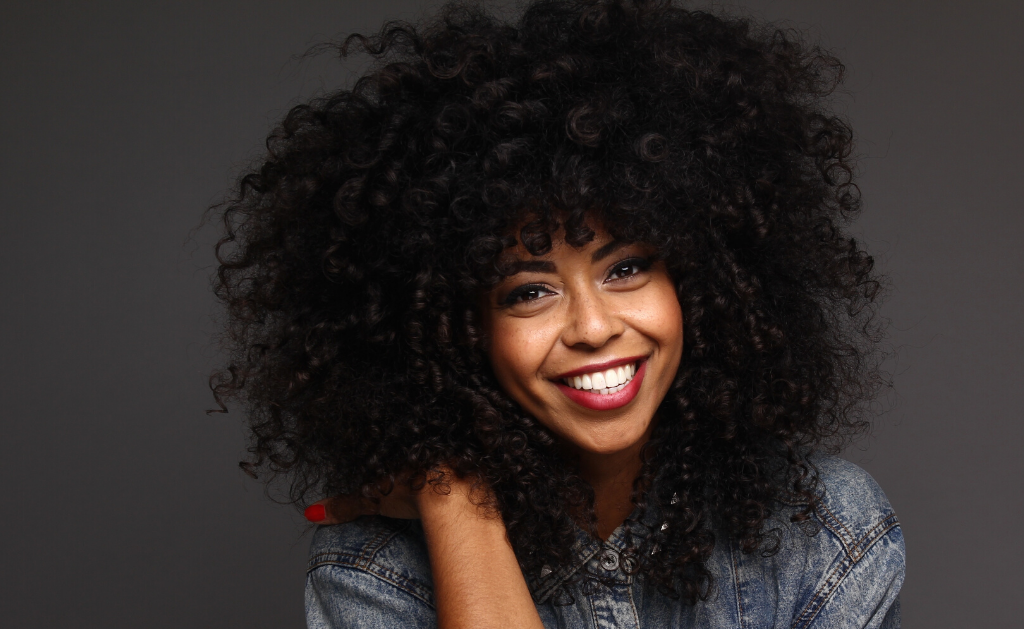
(611, 475)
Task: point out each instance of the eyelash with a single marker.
(637, 264)
(640, 264)
(515, 296)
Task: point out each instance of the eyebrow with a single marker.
(607, 250)
(531, 266)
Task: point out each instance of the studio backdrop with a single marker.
(121, 122)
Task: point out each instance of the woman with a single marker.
(564, 310)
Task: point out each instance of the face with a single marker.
(587, 340)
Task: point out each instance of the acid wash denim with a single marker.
(374, 573)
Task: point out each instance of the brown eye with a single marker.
(529, 292)
(628, 267)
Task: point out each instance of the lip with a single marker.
(598, 402)
(600, 367)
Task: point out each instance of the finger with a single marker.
(400, 503)
(317, 513)
(338, 510)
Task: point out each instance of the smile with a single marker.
(603, 382)
(605, 388)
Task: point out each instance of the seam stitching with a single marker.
(381, 540)
(845, 536)
(850, 559)
(632, 604)
(347, 560)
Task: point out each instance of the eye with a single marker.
(525, 293)
(628, 268)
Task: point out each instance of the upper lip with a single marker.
(600, 366)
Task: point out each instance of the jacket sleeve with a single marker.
(340, 596)
(866, 595)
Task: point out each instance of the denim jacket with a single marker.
(375, 573)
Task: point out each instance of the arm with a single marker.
(477, 579)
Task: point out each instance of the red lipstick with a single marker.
(596, 401)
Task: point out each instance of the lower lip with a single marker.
(598, 402)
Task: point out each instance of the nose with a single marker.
(590, 320)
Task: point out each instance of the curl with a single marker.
(353, 254)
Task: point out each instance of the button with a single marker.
(610, 560)
(628, 564)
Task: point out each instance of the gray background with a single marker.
(121, 121)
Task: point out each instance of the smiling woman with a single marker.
(582, 316)
(563, 316)
(588, 342)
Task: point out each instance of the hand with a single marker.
(399, 503)
(460, 525)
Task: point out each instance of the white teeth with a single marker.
(603, 382)
(611, 378)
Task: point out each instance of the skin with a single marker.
(565, 311)
(575, 309)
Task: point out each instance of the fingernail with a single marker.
(315, 513)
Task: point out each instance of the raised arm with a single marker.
(477, 580)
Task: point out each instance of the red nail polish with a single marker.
(315, 513)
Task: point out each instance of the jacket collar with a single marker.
(587, 553)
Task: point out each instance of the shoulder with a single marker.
(369, 572)
(851, 565)
(842, 568)
(389, 549)
(852, 506)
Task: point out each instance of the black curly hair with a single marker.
(356, 250)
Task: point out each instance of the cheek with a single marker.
(516, 352)
(662, 317)
(672, 316)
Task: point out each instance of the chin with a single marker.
(605, 445)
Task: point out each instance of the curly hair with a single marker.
(355, 251)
